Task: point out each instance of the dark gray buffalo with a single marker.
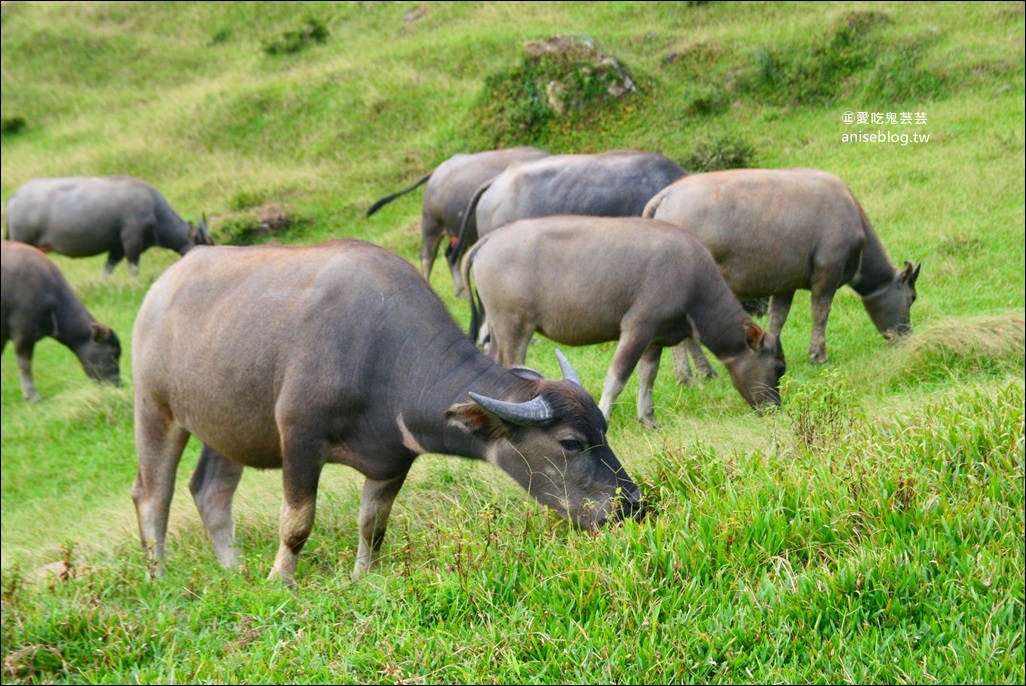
(773, 232)
(85, 216)
(585, 280)
(448, 192)
(293, 357)
(37, 301)
(617, 183)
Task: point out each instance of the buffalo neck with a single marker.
(426, 392)
(172, 231)
(73, 325)
(718, 317)
(875, 269)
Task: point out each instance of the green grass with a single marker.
(871, 530)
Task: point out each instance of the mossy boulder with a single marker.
(557, 78)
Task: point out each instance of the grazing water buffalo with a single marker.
(293, 357)
(447, 194)
(584, 280)
(774, 231)
(610, 184)
(85, 216)
(37, 301)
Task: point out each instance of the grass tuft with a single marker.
(963, 348)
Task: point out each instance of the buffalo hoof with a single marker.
(648, 422)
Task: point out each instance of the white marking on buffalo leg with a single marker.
(295, 526)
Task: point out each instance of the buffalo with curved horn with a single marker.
(291, 357)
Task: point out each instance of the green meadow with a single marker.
(869, 531)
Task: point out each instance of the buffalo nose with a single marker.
(630, 505)
(765, 401)
(897, 333)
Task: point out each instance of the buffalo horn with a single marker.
(568, 372)
(536, 411)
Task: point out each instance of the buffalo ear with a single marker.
(100, 332)
(526, 373)
(910, 274)
(754, 335)
(476, 420)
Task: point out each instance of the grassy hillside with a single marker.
(870, 531)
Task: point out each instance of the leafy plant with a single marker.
(727, 151)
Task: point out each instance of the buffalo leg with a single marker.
(115, 256)
(375, 508)
(684, 353)
(779, 308)
(484, 336)
(822, 299)
(702, 366)
(159, 446)
(23, 350)
(648, 367)
(213, 486)
(301, 471)
(133, 244)
(682, 364)
(509, 341)
(628, 352)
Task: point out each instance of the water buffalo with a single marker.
(584, 280)
(776, 231)
(37, 301)
(294, 356)
(85, 216)
(617, 183)
(449, 189)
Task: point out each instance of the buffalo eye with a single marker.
(570, 445)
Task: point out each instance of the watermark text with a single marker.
(902, 139)
(900, 119)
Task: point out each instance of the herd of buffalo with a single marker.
(294, 356)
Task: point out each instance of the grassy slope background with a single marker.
(870, 531)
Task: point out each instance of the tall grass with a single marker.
(871, 530)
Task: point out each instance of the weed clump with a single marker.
(822, 413)
(249, 225)
(290, 42)
(723, 152)
(11, 126)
